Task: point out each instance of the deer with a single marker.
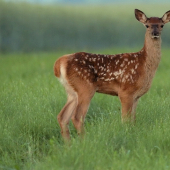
(127, 75)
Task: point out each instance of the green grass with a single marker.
(31, 98)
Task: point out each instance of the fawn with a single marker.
(128, 76)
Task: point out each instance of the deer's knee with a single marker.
(59, 118)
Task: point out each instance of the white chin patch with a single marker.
(155, 37)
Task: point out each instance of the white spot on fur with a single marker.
(109, 79)
(122, 65)
(101, 68)
(123, 80)
(117, 62)
(131, 78)
(136, 66)
(125, 67)
(94, 59)
(117, 73)
(132, 70)
(95, 71)
(126, 76)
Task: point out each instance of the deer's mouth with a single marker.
(155, 37)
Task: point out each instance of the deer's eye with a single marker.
(147, 26)
(162, 26)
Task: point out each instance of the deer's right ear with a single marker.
(140, 16)
(166, 17)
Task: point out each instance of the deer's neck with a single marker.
(152, 48)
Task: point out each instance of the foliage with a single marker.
(27, 27)
(30, 136)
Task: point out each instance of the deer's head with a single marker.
(154, 25)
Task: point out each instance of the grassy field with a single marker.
(31, 98)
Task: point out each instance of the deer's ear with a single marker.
(140, 16)
(166, 17)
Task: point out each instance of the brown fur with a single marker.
(57, 68)
(127, 76)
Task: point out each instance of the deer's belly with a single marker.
(107, 88)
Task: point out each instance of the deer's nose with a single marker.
(155, 34)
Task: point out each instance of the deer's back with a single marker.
(108, 74)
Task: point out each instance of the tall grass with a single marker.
(31, 98)
(26, 27)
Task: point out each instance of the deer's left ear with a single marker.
(166, 17)
(140, 16)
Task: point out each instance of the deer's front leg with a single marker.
(128, 108)
(133, 113)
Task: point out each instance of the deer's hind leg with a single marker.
(79, 114)
(65, 114)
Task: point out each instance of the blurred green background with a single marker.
(47, 26)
